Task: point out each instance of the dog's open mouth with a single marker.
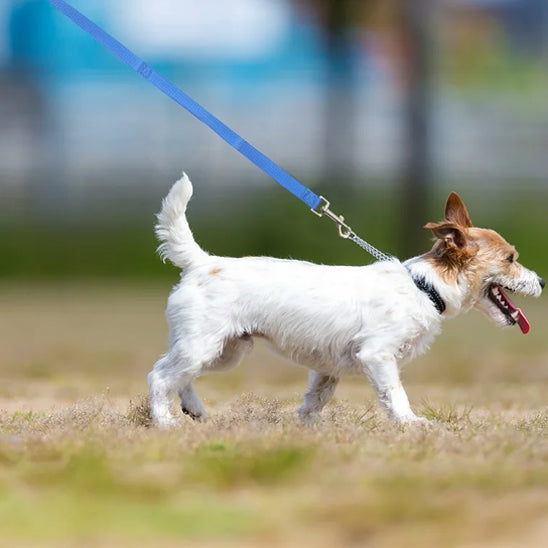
(512, 313)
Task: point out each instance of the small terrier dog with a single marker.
(335, 320)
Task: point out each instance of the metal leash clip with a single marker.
(342, 228)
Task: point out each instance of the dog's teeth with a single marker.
(497, 293)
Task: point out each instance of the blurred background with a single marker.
(383, 106)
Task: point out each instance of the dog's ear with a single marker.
(456, 212)
(449, 233)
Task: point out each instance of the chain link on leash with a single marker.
(379, 255)
(346, 232)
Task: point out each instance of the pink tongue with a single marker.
(517, 314)
(524, 325)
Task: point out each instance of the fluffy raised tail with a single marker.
(177, 241)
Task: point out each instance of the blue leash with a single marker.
(318, 204)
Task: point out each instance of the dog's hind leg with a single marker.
(191, 404)
(234, 350)
(163, 384)
(231, 355)
(320, 391)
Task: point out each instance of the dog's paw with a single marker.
(423, 421)
(308, 418)
(165, 423)
(195, 415)
(413, 419)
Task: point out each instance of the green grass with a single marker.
(63, 516)
(80, 466)
(86, 474)
(225, 466)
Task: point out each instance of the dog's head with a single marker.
(482, 264)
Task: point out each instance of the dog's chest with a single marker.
(416, 344)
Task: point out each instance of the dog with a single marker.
(335, 320)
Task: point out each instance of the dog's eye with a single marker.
(510, 258)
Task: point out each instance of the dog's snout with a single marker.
(541, 282)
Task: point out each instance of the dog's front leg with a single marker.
(383, 374)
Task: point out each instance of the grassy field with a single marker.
(79, 467)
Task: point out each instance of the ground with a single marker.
(80, 467)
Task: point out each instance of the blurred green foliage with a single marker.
(263, 222)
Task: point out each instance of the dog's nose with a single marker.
(541, 282)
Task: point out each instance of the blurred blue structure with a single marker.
(72, 116)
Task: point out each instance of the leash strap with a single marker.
(232, 138)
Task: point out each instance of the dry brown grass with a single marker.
(80, 467)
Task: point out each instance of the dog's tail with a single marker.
(177, 242)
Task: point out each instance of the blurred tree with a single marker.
(416, 184)
(340, 99)
(408, 25)
(338, 21)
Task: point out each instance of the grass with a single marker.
(80, 466)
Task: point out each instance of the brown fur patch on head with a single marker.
(453, 250)
(454, 247)
(495, 248)
(215, 271)
(461, 248)
(495, 254)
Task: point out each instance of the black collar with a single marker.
(429, 289)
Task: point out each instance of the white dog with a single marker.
(335, 320)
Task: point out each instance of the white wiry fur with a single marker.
(336, 320)
(172, 229)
